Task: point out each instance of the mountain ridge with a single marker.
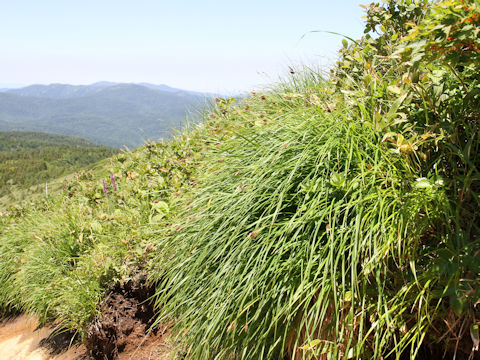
(112, 114)
(60, 90)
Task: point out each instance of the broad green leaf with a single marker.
(96, 226)
(457, 305)
(394, 89)
(422, 183)
(311, 345)
(395, 105)
(337, 180)
(160, 207)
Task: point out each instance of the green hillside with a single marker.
(334, 216)
(117, 115)
(28, 158)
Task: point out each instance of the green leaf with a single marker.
(394, 89)
(337, 180)
(457, 305)
(311, 345)
(395, 105)
(422, 183)
(95, 226)
(157, 218)
(160, 207)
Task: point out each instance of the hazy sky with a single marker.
(208, 45)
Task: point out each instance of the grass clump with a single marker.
(293, 237)
(343, 222)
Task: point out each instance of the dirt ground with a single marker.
(120, 332)
(22, 339)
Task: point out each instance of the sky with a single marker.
(209, 45)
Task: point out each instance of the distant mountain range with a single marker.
(107, 113)
(66, 91)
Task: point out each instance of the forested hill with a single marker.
(31, 158)
(105, 113)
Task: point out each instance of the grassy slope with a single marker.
(332, 225)
(289, 213)
(96, 238)
(21, 196)
(320, 217)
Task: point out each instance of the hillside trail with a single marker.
(21, 338)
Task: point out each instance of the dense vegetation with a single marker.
(98, 231)
(115, 115)
(346, 225)
(29, 158)
(328, 218)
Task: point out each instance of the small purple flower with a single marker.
(105, 190)
(114, 182)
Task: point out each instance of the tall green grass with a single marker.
(57, 261)
(60, 255)
(303, 240)
(342, 221)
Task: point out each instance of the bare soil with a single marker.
(120, 332)
(22, 339)
(123, 324)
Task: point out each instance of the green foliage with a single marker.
(326, 218)
(433, 72)
(60, 255)
(28, 159)
(58, 258)
(451, 34)
(295, 214)
(344, 222)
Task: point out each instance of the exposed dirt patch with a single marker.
(121, 328)
(120, 332)
(22, 339)
(150, 347)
